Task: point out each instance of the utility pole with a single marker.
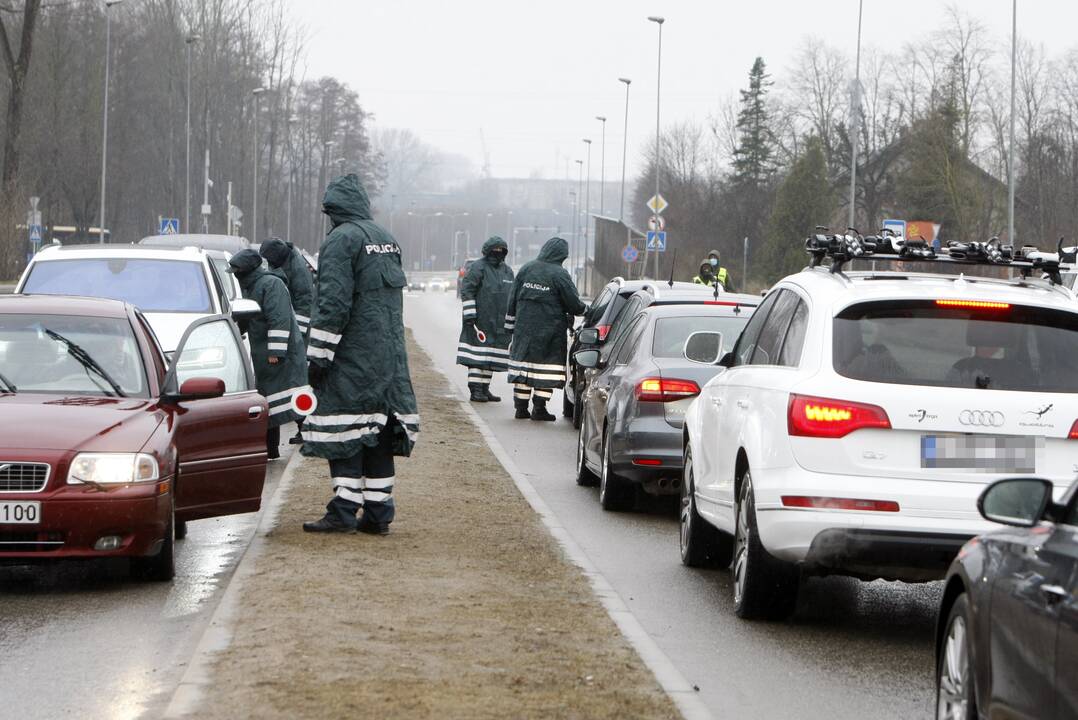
(257, 92)
(602, 166)
(587, 217)
(624, 147)
(1010, 149)
(105, 119)
(191, 40)
(206, 192)
(855, 124)
(658, 106)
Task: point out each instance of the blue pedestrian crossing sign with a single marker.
(629, 253)
(170, 226)
(36, 232)
(657, 240)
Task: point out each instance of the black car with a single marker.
(634, 406)
(1007, 635)
(613, 313)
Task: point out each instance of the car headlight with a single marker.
(112, 468)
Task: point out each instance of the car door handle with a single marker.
(1053, 593)
(743, 404)
(254, 412)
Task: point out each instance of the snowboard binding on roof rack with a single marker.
(841, 249)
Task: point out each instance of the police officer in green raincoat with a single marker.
(483, 347)
(358, 365)
(277, 351)
(541, 309)
(284, 260)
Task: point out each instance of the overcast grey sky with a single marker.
(533, 75)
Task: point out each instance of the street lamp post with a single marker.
(191, 40)
(855, 124)
(509, 230)
(587, 217)
(105, 120)
(291, 175)
(327, 146)
(257, 93)
(602, 166)
(659, 20)
(1010, 142)
(624, 147)
(579, 223)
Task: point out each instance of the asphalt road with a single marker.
(852, 650)
(81, 640)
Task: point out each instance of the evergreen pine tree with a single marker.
(754, 156)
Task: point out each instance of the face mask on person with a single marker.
(498, 257)
(714, 262)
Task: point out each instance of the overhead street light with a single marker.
(659, 20)
(602, 165)
(624, 146)
(257, 93)
(105, 111)
(189, 41)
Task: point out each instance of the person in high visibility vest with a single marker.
(721, 273)
(706, 276)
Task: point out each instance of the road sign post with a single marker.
(656, 241)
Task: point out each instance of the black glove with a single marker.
(316, 375)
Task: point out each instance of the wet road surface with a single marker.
(81, 640)
(852, 650)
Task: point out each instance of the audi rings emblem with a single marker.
(981, 418)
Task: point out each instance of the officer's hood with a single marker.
(276, 251)
(346, 201)
(555, 250)
(713, 254)
(705, 267)
(244, 262)
(493, 244)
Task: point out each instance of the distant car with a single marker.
(107, 448)
(1007, 634)
(439, 284)
(462, 272)
(173, 287)
(637, 392)
(417, 285)
(205, 241)
(619, 302)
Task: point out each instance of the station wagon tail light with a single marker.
(665, 389)
(832, 503)
(1073, 434)
(112, 469)
(974, 304)
(823, 417)
(604, 330)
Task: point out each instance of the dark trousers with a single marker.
(273, 442)
(365, 482)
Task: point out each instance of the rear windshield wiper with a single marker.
(76, 351)
(5, 383)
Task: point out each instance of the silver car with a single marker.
(639, 389)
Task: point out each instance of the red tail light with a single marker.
(823, 417)
(647, 462)
(604, 330)
(1073, 435)
(665, 389)
(830, 503)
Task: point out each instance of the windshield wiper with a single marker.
(87, 360)
(5, 383)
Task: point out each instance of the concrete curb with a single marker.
(669, 677)
(218, 632)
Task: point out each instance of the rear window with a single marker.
(672, 332)
(177, 286)
(919, 342)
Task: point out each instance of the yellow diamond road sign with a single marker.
(657, 204)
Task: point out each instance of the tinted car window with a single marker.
(919, 342)
(150, 285)
(774, 330)
(598, 306)
(38, 354)
(795, 336)
(672, 332)
(615, 347)
(223, 277)
(632, 340)
(620, 322)
(747, 342)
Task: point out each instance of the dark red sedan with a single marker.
(108, 449)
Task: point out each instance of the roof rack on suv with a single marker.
(841, 249)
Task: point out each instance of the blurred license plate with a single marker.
(20, 513)
(981, 453)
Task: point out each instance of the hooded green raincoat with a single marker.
(274, 333)
(485, 294)
(287, 262)
(541, 309)
(357, 334)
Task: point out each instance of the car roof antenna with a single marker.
(673, 264)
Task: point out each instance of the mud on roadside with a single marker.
(467, 610)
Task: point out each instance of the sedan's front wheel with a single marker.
(702, 545)
(955, 698)
(764, 588)
(162, 566)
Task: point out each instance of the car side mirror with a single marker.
(587, 359)
(1021, 502)
(244, 309)
(200, 388)
(727, 360)
(704, 347)
(588, 336)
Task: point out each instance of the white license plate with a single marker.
(20, 513)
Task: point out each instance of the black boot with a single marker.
(491, 397)
(477, 392)
(522, 409)
(539, 410)
(327, 524)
